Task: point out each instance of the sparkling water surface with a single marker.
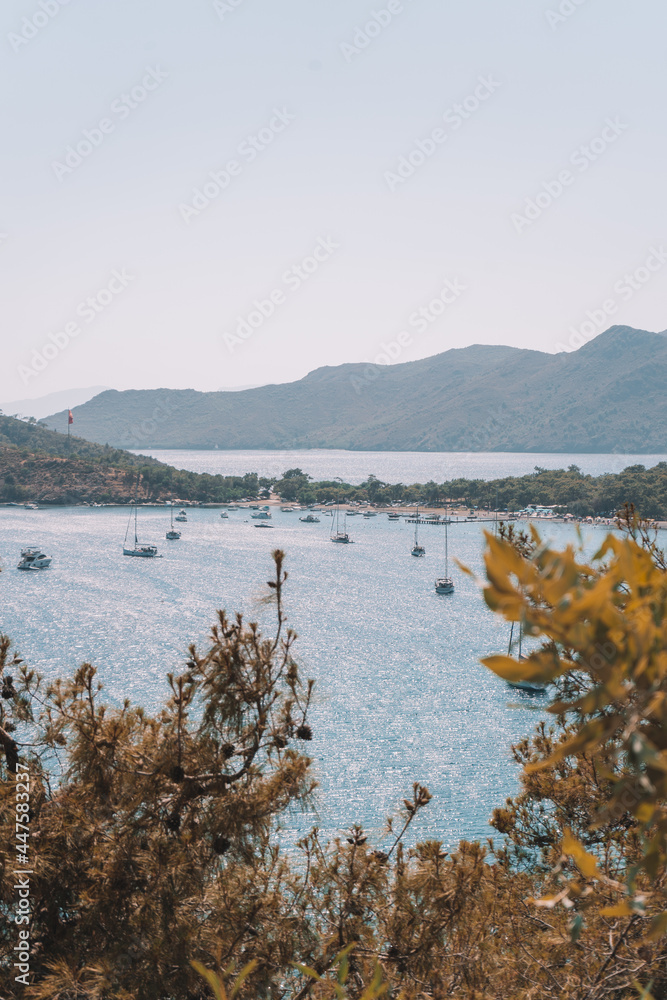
(406, 467)
(400, 693)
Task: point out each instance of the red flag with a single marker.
(70, 418)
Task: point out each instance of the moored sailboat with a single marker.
(338, 535)
(445, 584)
(172, 534)
(142, 551)
(417, 549)
(532, 687)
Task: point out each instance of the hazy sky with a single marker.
(370, 153)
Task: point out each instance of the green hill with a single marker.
(37, 464)
(609, 395)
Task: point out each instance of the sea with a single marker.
(400, 693)
(354, 467)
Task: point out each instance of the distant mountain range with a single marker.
(43, 405)
(607, 396)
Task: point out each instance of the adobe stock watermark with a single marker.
(224, 7)
(365, 34)
(455, 117)
(581, 159)
(219, 180)
(87, 310)
(22, 872)
(564, 11)
(292, 280)
(121, 108)
(624, 289)
(419, 321)
(36, 22)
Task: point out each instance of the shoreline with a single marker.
(408, 513)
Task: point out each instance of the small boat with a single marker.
(287, 510)
(181, 516)
(337, 534)
(394, 517)
(353, 513)
(232, 507)
(262, 515)
(33, 559)
(224, 514)
(417, 549)
(30, 506)
(172, 534)
(531, 687)
(262, 525)
(445, 584)
(370, 513)
(141, 551)
(309, 519)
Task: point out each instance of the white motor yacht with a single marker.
(33, 559)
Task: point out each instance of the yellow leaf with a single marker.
(621, 910)
(513, 670)
(212, 980)
(246, 971)
(585, 862)
(307, 971)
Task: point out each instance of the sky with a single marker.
(223, 193)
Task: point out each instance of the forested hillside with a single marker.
(607, 395)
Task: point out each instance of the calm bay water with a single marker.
(394, 466)
(400, 694)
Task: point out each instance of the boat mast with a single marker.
(337, 533)
(338, 508)
(446, 553)
(417, 528)
(136, 501)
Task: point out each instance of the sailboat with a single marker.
(417, 549)
(172, 534)
(337, 535)
(445, 585)
(533, 687)
(143, 551)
